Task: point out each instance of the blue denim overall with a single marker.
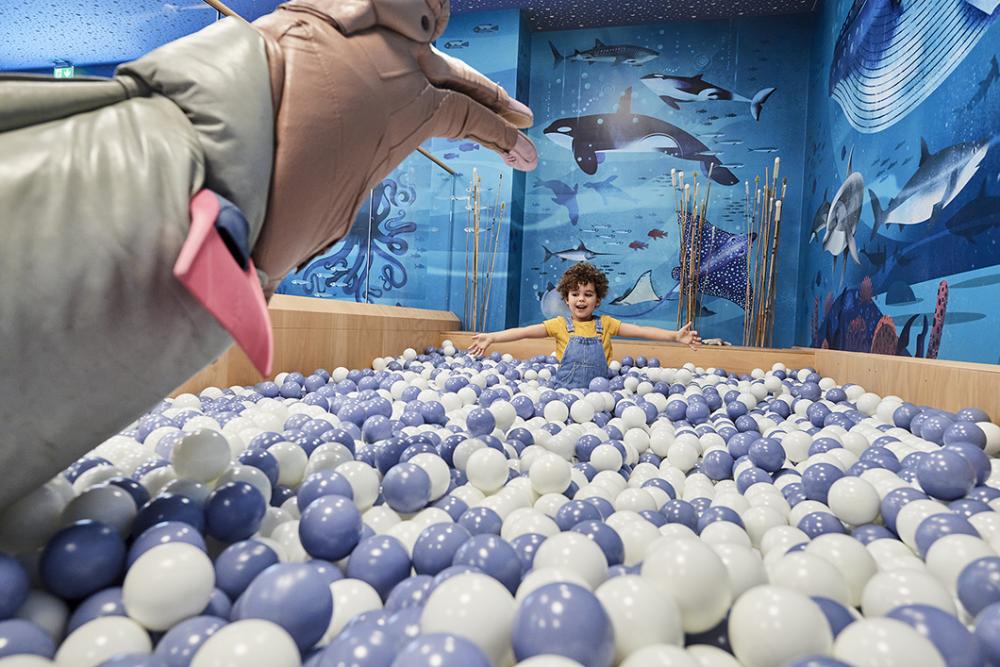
(583, 359)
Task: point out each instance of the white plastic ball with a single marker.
(487, 470)
(640, 614)
(885, 642)
(248, 643)
(556, 411)
(606, 457)
(852, 560)
(351, 597)
(94, 642)
(576, 552)
(582, 412)
(887, 590)
(854, 501)
(473, 606)
(660, 655)
(364, 483)
(202, 455)
(771, 626)
(167, 584)
(696, 577)
(550, 474)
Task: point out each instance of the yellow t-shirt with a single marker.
(556, 328)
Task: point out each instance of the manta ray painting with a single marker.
(625, 131)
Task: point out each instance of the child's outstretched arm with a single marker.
(481, 342)
(685, 335)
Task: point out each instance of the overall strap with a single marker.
(600, 330)
(569, 325)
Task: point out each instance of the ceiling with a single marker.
(35, 33)
(574, 14)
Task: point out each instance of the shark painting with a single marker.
(819, 220)
(976, 217)
(615, 54)
(844, 215)
(625, 131)
(606, 189)
(675, 90)
(581, 253)
(937, 181)
(565, 196)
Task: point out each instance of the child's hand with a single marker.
(480, 342)
(689, 337)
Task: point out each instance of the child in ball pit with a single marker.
(583, 340)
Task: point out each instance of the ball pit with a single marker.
(442, 510)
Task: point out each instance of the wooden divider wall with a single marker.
(315, 333)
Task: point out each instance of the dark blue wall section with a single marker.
(902, 204)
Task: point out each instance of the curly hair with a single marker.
(581, 274)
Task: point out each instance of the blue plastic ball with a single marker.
(979, 584)
(945, 474)
(988, 633)
(494, 557)
(82, 559)
(894, 501)
(21, 637)
(954, 642)
(381, 561)
(441, 650)
(365, 646)
(582, 632)
(815, 524)
(680, 511)
(238, 565)
(293, 596)
(14, 586)
(406, 487)
(330, 527)
(169, 507)
(411, 592)
(870, 532)
(162, 533)
(435, 547)
(976, 458)
(767, 454)
(837, 615)
(605, 537)
(181, 642)
(480, 422)
(234, 511)
(817, 480)
(479, 520)
(526, 546)
(937, 526)
(102, 603)
(718, 513)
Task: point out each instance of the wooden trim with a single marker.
(947, 385)
(314, 333)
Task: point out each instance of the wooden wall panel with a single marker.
(948, 385)
(316, 333)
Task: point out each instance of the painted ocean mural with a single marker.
(901, 255)
(616, 109)
(407, 244)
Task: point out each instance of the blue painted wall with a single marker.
(939, 216)
(624, 213)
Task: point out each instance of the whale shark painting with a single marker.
(674, 90)
(615, 54)
(624, 131)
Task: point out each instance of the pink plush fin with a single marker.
(232, 295)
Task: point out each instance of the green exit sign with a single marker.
(63, 72)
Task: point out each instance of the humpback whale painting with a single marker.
(625, 131)
(892, 54)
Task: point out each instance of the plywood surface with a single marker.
(948, 385)
(317, 333)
